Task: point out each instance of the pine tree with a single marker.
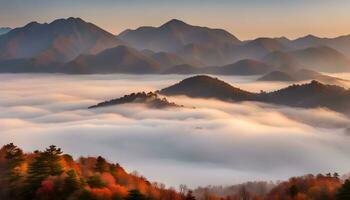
(53, 157)
(71, 183)
(15, 158)
(100, 164)
(344, 191)
(135, 195)
(45, 164)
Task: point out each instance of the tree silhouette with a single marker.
(190, 196)
(100, 164)
(344, 191)
(135, 195)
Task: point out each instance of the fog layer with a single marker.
(213, 143)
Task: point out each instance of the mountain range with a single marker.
(74, 46)
(310, 95)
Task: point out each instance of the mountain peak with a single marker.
(206, 87)
(174, 22)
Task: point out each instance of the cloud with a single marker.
(213, 143)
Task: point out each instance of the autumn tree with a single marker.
(190, 196)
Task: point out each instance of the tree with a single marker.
(100, 164)
(14, 157)
(52, 155)
(293, 190)
(135, 195)
(344, 191)
(45, 164)
(95, 182)
(190, 196)
(71, 182)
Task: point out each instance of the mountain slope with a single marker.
(258, 48)
(282, 60)
(322, 58)
(149, 99)
(175, 34)
(301, 75)
(310, 95)
(313, 94)
(341, 43)
(242, 67)
(206, 87)
(121, 59)
(4, 30)
(61, 40)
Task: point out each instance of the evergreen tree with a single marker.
(95, 182)
(71, 183)
(15, 158)
(38, 170)
(344, 191)
(45, 164)
(135, 195)
(52, 155)
(100, 164)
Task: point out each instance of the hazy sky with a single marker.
(244, 18)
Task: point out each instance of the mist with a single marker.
(213, 143)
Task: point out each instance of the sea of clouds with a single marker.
(213, 143)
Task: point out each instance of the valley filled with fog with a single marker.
(205, 142)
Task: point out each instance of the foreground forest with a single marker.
(50, 174)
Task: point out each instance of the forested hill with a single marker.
(52, 175)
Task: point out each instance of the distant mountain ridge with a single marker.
(175, 34)
(74, 46)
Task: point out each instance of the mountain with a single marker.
(170, 59)
(310, 95)
(120, 59)
(341, 43)
(175, 34)
(277, 76)
(4, 30)
(258, 48)
(149, 99)
(61, 40)
(322, 58)
(208, 54)
(242, 67)
(181, 69)
(282, 60)
(206, 87)
(301, 75)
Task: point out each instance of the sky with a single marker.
(246, 19)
